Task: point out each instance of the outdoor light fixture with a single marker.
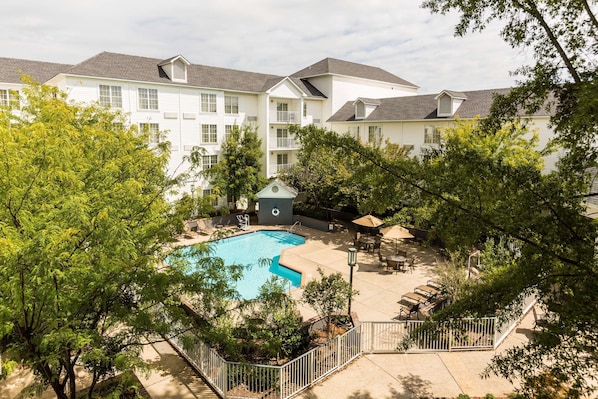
(351, 261)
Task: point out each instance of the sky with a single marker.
(266, 36)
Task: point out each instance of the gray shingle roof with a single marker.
(329, 66)
(144, 69)
(11, 70)
(423, 107)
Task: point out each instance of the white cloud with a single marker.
(264, 36)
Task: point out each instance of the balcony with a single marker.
(291, 117)
(286, 143)
(275, 169)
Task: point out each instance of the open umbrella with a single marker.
(368, 221)
(397, 232)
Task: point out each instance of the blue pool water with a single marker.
(248, 249)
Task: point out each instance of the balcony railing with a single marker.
(286, 143)
(285, 117)
(274, 169)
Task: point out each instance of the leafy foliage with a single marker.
(272, 327)
(334, 178)
(237, 172)
(328, 295)
(83, 227)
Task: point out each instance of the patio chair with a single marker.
(243, 222)
(377, 243)
(392, 265)
(401, 252)
(412, 265)
(381, 259)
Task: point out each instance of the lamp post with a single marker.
(351, 261)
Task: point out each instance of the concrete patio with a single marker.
(379, 375)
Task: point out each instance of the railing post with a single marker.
(280, 382)
(338, 352)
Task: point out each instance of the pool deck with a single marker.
(379, 375)
(445, 375)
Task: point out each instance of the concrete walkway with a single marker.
(172, 376)
(438, 375)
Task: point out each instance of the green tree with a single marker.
(484, 185)
(328, 296)
(563, 37)
(333, 178)
(273, 325)
(83, 223)
(237, 172)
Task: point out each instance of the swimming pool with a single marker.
(248, 249)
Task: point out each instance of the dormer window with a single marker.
(449, 102)
(364, 107)
(175, 68)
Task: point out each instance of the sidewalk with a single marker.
(438, 375)
(173, 377)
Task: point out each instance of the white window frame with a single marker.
(208, 103)
(209, 192)
(231, 105)
(282, 112)
(111, 96)
(209, 134)
(152, 130)
(284, 156)
(374, 134)
(209, 161)
(282, 137)
(148, 98)
(431, 134)
(228, 130)
(10, 98)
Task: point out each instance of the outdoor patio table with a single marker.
(400, 261)
(367, 242)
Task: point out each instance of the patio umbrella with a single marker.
(368, 221)
(397, 232)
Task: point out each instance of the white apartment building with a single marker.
(196, 105)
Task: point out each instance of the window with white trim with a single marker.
(231, 105)
(209, 134)
(431, 135)
(148, 98)
(282, 112)
(208, 192)
(152, 130)
(209, 161)
(10, 98)
(208, 102)
(304, 109)
(374, 134)
(111, 96)
(282, 162)
(228, 129)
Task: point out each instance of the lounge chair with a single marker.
(203, 227)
